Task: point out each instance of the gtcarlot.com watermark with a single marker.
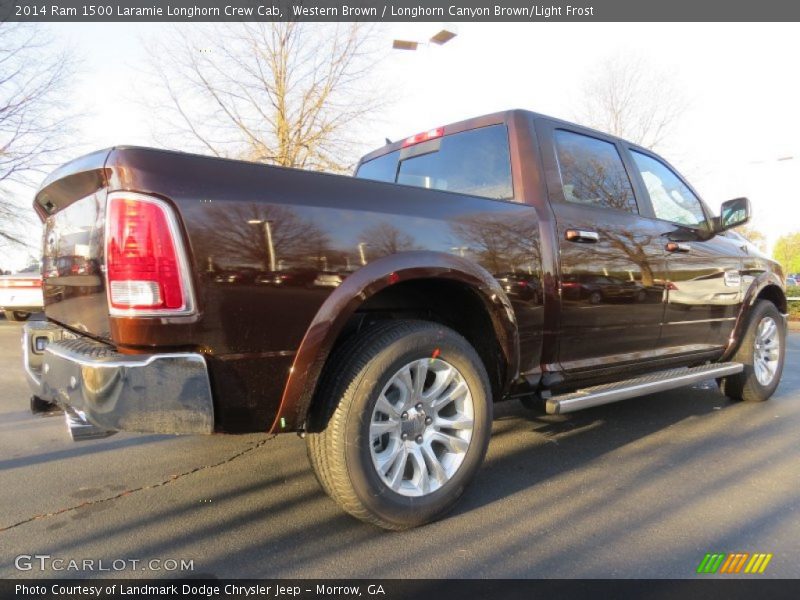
(46, 562)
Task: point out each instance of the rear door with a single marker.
(705, 275)
(612, 264)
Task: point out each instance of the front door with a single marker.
(705, 286)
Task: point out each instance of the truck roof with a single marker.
(482, 121)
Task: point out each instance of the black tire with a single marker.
(746, 385)
(16, 315)
(338, 441)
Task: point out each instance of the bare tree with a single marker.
(632, 99)
(33, 127)
(385, 239)
(235, 237)
(290, 94)
(501, 243)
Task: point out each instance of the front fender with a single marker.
(340, 306)
(757, 287)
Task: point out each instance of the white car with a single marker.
(21, 293)
(324, 279)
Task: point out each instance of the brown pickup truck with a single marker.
(510, 255)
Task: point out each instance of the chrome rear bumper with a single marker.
(156, 393)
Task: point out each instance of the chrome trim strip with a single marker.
(700, 321)
(612, 360)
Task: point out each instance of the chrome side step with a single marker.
(638, 386)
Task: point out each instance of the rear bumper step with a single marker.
(639, 386)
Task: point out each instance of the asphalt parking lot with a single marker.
(642, 488)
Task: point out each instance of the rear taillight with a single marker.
(145, 261)
(425, 136)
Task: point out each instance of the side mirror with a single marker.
(732, 214)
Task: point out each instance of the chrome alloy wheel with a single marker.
(766, 351)
(421, 427)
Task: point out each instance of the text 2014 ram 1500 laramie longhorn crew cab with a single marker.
(511, 255)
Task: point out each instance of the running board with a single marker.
(639, 386)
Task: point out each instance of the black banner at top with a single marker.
(580, 11)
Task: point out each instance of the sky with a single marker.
(739, 136)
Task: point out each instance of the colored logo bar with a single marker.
(733, 563)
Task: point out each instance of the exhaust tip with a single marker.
(81, 430)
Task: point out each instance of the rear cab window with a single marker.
(475, 162)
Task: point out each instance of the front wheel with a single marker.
(762, 352)
(407, 424)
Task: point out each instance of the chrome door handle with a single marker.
(582, 236)
(678, 247)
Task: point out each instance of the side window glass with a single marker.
(383, 168)
(671, 199)
(592, 172)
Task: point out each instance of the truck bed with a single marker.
(256, 297)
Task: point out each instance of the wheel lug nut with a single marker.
(404, 436)
(419, 406)
(428, 421)
(404, 416)
(419, 439)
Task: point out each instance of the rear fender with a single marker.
(340, 306)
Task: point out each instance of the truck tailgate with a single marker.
(72, 203)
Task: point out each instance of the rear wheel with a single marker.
(16, 315)
(762, 352)
(407, 424)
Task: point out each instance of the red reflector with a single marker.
(142, 261)
(423, 137)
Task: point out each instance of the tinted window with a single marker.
(671, 199)
(475, 162)
(383, 168)
(592, 172)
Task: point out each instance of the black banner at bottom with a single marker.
(397, 589)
